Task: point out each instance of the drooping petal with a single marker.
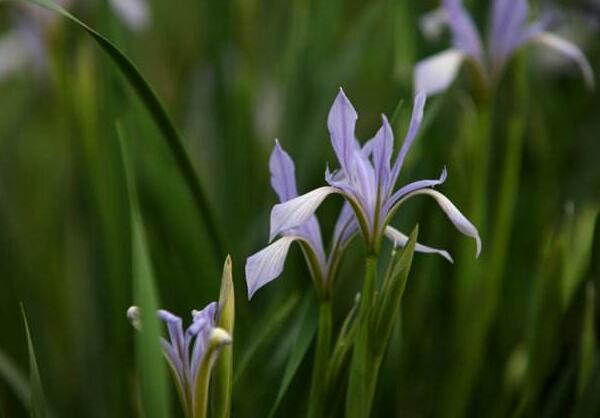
(134, 13)
(435, 74)
(508, 25)
(283, 177)
(411, 187)
(267, 264)
(297, 211)
(454, 215)
(568, 50)
(413, 130)
(399, 239)
(383, 144)
(341, 123)
(465, 36)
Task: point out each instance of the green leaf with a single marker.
(149, 358)
(37, 406)
(588, 405)
(272, 320)
(148, 97)
(588, 340)
(341, 350)
(14, 378)
(306, 326)
(392, 291)
(223, 374)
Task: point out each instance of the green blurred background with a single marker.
(234, 75)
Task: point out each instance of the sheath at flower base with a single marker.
(366, 179)
(190, 354)
(509, 32)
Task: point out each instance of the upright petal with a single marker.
(364, 184)
(283, 178)
(383, 144)
(435, 74)
(399, 239)
(297, 211)
(465, 36)
(341, 123)
(508, 25)
(413, 130)
(568, 50)
(267, 264)
(458, 219)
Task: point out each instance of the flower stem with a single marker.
(365, 363)
(318, 388)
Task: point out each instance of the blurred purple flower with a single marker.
(24, 45)
(509, 31)
(366, 179)
(187, 351)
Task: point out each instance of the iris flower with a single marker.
(366, 179)
(509, 32)
(267, 264)
(189, 352)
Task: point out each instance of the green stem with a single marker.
(365, 364)
(318, 388)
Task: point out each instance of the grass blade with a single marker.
(223, 373)
(150, 364)
(37, 406)
(14, 378)
(150, 100)
(306, 331)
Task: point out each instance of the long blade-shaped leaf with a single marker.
(37, 406)
(151, 367)
(306, 331)
(160, 117)
(223, 373)
(14, 378)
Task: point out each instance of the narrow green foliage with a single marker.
(150, 364)
(378, 313)
(306, 327)
(388, 305)
(588, 340)
(273, 320)
(150, 100)
(37, 403)
(223, 378)
(543, 332)
(14, 378)
(318, 386)
(342, 347)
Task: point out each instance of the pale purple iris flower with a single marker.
(24, 45)
(366, 179)
(267, 264)
(187, 350)
(510, 30)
